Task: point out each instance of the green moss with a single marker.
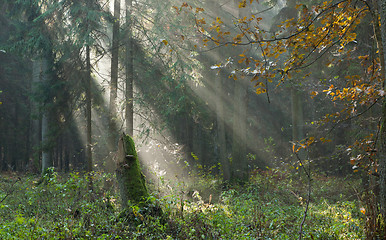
(130, 146)
(130, 178)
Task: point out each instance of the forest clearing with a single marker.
(215, 119)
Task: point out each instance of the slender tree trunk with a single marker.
(239, 146)
(28, 122)
(197, 141)
(297, 115)
(129, 114)
(114, 81)
(382, 153)
(239, 149)
(220, 119)
(60, 153)
(219, 77)
(67, 150)
(88, 110)
(46, 153)
(16, 157)
(296, 94)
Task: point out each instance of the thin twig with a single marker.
(306, 210)
(308, 173)
(10, 192)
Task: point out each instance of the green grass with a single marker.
(270, 206)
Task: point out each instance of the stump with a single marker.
(130, 179)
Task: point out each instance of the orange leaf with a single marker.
(199, 10)
(363, 210)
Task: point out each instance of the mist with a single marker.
(223, 104)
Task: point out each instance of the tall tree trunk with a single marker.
(297, 114)
(46, 151)
(239, 146)
(28, 122)
(68, 149)
(296, 93)
(114, 80)
(129, 67)
(219, 96)
(88, 110)
(220, 119)
(60, 153)
(382, 153)
(15, 145)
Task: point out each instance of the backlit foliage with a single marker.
(320, 34)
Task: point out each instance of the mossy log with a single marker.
(130, 179)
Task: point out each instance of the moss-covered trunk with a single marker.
(130, 178)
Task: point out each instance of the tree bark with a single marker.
(297, 114)
(219, 77)
(88, 110)
(239, 150)
(114, 80)
(220, 119)
(35, 122)
(130, 179)
(239, 146)
(129, 114)
(382, 152)
(296, 93)
(46, 153)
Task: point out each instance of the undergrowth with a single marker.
(270, 206)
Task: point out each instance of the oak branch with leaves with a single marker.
(324, 35)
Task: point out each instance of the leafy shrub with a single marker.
(270, 206)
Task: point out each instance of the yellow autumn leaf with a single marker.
(260, 90)
(243, 4)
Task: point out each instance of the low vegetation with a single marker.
(270, 206)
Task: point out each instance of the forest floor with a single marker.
(270, 206)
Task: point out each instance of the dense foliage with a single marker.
(270, 206)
